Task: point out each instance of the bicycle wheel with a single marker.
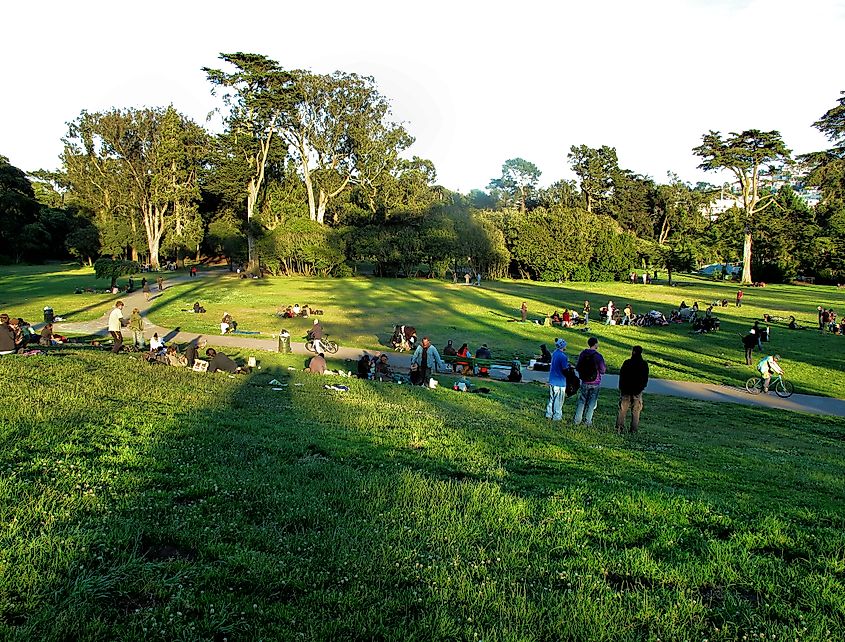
(754, 385)
(330, 346)
(784, 388)
(309, 345)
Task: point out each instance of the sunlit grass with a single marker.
(145, 502)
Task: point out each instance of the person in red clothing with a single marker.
(739, 295)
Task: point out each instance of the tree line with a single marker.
(310, 175)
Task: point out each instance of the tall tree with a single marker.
(828, 166)
(140, 161)
(18, 210)
(519, 180)
(595, 167)
(258, 93)
(339, 133)
(744, 154)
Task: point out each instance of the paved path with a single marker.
(689, 390)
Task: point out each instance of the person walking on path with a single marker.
(557, 381)
(749, 341)
(424, 356)
(739, 295)
(136, 325)
(524, 311)
(160, 282)
(478, 279)
(590, 368)
(116, 326)
(633, 379)
(145, 286)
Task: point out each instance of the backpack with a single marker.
(573, 383)
(587, 367)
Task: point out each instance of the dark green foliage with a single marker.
(112, 269)
(569, 244)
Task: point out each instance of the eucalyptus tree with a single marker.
(340, 134)
(518, 180)
(138, 164)
(259, 95)
(744, 154)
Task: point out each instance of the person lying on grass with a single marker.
(219, 361)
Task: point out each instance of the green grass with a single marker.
(360, 312)
(150, 503)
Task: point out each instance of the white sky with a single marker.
(475, 82)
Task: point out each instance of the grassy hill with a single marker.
(143, 502)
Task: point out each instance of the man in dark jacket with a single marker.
(633, 378)
(219, 361)
(7, 335)
(749, 341)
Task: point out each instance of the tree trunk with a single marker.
(746, 257)
(251, 199)
(669, 271)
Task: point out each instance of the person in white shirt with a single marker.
(156, 344)
(116, 326)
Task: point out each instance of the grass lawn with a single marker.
(360, 312)
(150, 503)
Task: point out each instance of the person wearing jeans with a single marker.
(557, 382)
(590, 368)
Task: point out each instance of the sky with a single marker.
(476, 83)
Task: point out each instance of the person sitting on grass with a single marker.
(566, 319)
(296, 309)
(383, 370)
(364, 366)
(483, 353)
(556, 318)
(7, 335)
(46, 339)
(173, 358)
(544, 362)
(462, 366)
(156, 344)
(194, 347)
(219, 361)
(198, 309)
(317, 364)
(228, 324)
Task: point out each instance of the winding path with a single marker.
(690, 390)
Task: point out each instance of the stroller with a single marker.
(404, 338)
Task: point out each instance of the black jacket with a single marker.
(749, 340)
(633, 376)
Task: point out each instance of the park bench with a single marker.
(477, 365)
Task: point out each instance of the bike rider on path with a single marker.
(767, 366)
(316, 335)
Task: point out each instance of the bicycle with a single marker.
(328, 345)
(781, 386)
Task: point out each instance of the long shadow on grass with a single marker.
(242, 509)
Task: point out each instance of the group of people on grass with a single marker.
(584, 379)
(295, 310)
(18, 336)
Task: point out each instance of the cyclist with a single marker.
(766, 367)
(315, 334)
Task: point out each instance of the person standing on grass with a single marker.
(633, 379)
(586, 313)
(739, 295)
(590, 368)
(136, 325)
(610, 311)
(557, 381)
(424, 356)
(748, 342)
(523, 309)
(116, 326)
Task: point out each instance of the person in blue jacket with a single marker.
(557, 381)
